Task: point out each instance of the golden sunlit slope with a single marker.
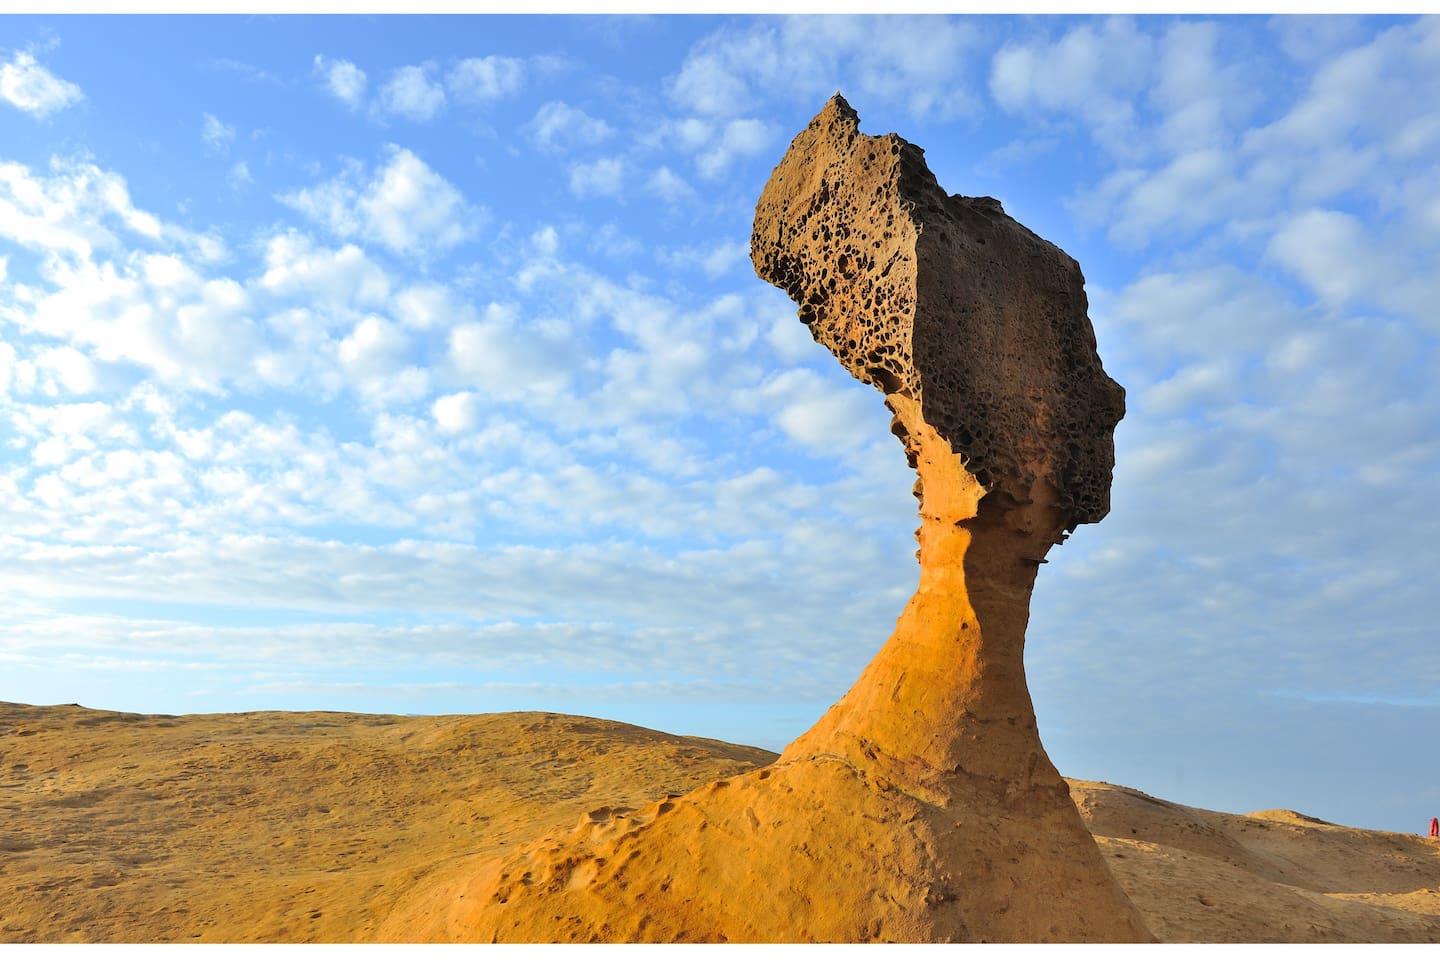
(291, 826)
(302, 827)
(1272, 876)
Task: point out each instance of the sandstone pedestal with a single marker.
(922, 806)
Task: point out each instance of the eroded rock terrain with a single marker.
(922, 806)
(330, 827)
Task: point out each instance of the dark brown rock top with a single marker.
(949, 301)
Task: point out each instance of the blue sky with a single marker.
(417, 365)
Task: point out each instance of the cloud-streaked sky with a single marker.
(417, 365)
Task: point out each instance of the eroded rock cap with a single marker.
(948, 300)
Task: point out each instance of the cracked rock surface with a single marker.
(922, 806)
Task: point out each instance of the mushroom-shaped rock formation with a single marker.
(922, 806)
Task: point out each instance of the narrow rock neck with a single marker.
(946, 698)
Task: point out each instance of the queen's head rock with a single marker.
(976, 331)
(922, 805)
(948, 302)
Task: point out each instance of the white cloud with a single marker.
(1092, 73)
(702, 611)
(374, 348)
(410, 207)
(714, 262)
(145, 302)
(745, 137)
(154, 311)
(1352, 132)
(612, 243)
(430, 306)
(1330, 252)
(247, 70)
(725, 257)
(343, 80)
(1202, 100)
(917, 61)
(669, 186)
(557, 126)
(692, 133)
(1168, 321)
(1136, 205)
(791, 339)
(1207, 384)
(65, 369)
(711, 81)
(456, 412)
(545, 242)
(603, 177)
(334, 203)
(217, 136)
(73, 211)
(667, 362)
(406, 206)
(410, 93)
(485, 79)
(167, 272)
(296, 268)
(109, 487)
(239, 175)
(92, 420)
(300, 349)
(30, 87)
(509, 361)
(1311, 38)
(1381, 95)
(824, 414)
(1341, 97)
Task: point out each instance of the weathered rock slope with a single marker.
(922, 806)
(293, 827)
(329, 827)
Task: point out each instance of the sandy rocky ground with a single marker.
(311, 827)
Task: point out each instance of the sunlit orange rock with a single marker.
(922, 806)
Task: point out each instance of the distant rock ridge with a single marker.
(922, 806)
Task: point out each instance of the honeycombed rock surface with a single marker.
(947, 301)
(922, 806)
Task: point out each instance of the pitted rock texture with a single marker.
(948, 300)
(921, 807)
